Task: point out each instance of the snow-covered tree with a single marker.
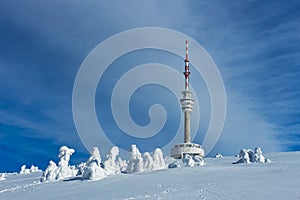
(158, 160)
(63, 170)
(175, 164)
(50, 173)
(244, 157)
(93, 169)
(2, 177)
(148, 162)
(218, 155)
(258, 156)
(23, 170)
(136, 163)
(248, 155)
(199, 161)
(113, 163)
(32, 169)
(94, 156)
(188, 160)
(122, 164)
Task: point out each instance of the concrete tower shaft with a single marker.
(187, 103)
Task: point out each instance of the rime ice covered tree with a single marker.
(148, 162)
(250, 156)
(114, 164)
(136, 163)
(63, 170)
(93, 169)
(158, 159)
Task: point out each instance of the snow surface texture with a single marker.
(32, 169)
(217, 179)
(248, 155)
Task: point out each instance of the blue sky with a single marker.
(255, 44)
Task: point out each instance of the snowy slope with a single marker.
(217, 179)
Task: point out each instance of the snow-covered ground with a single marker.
(217, 179)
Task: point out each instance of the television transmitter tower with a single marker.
(187, 103)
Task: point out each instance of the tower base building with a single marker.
(179, 150)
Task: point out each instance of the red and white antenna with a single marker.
(186, 51)
(186, 72)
